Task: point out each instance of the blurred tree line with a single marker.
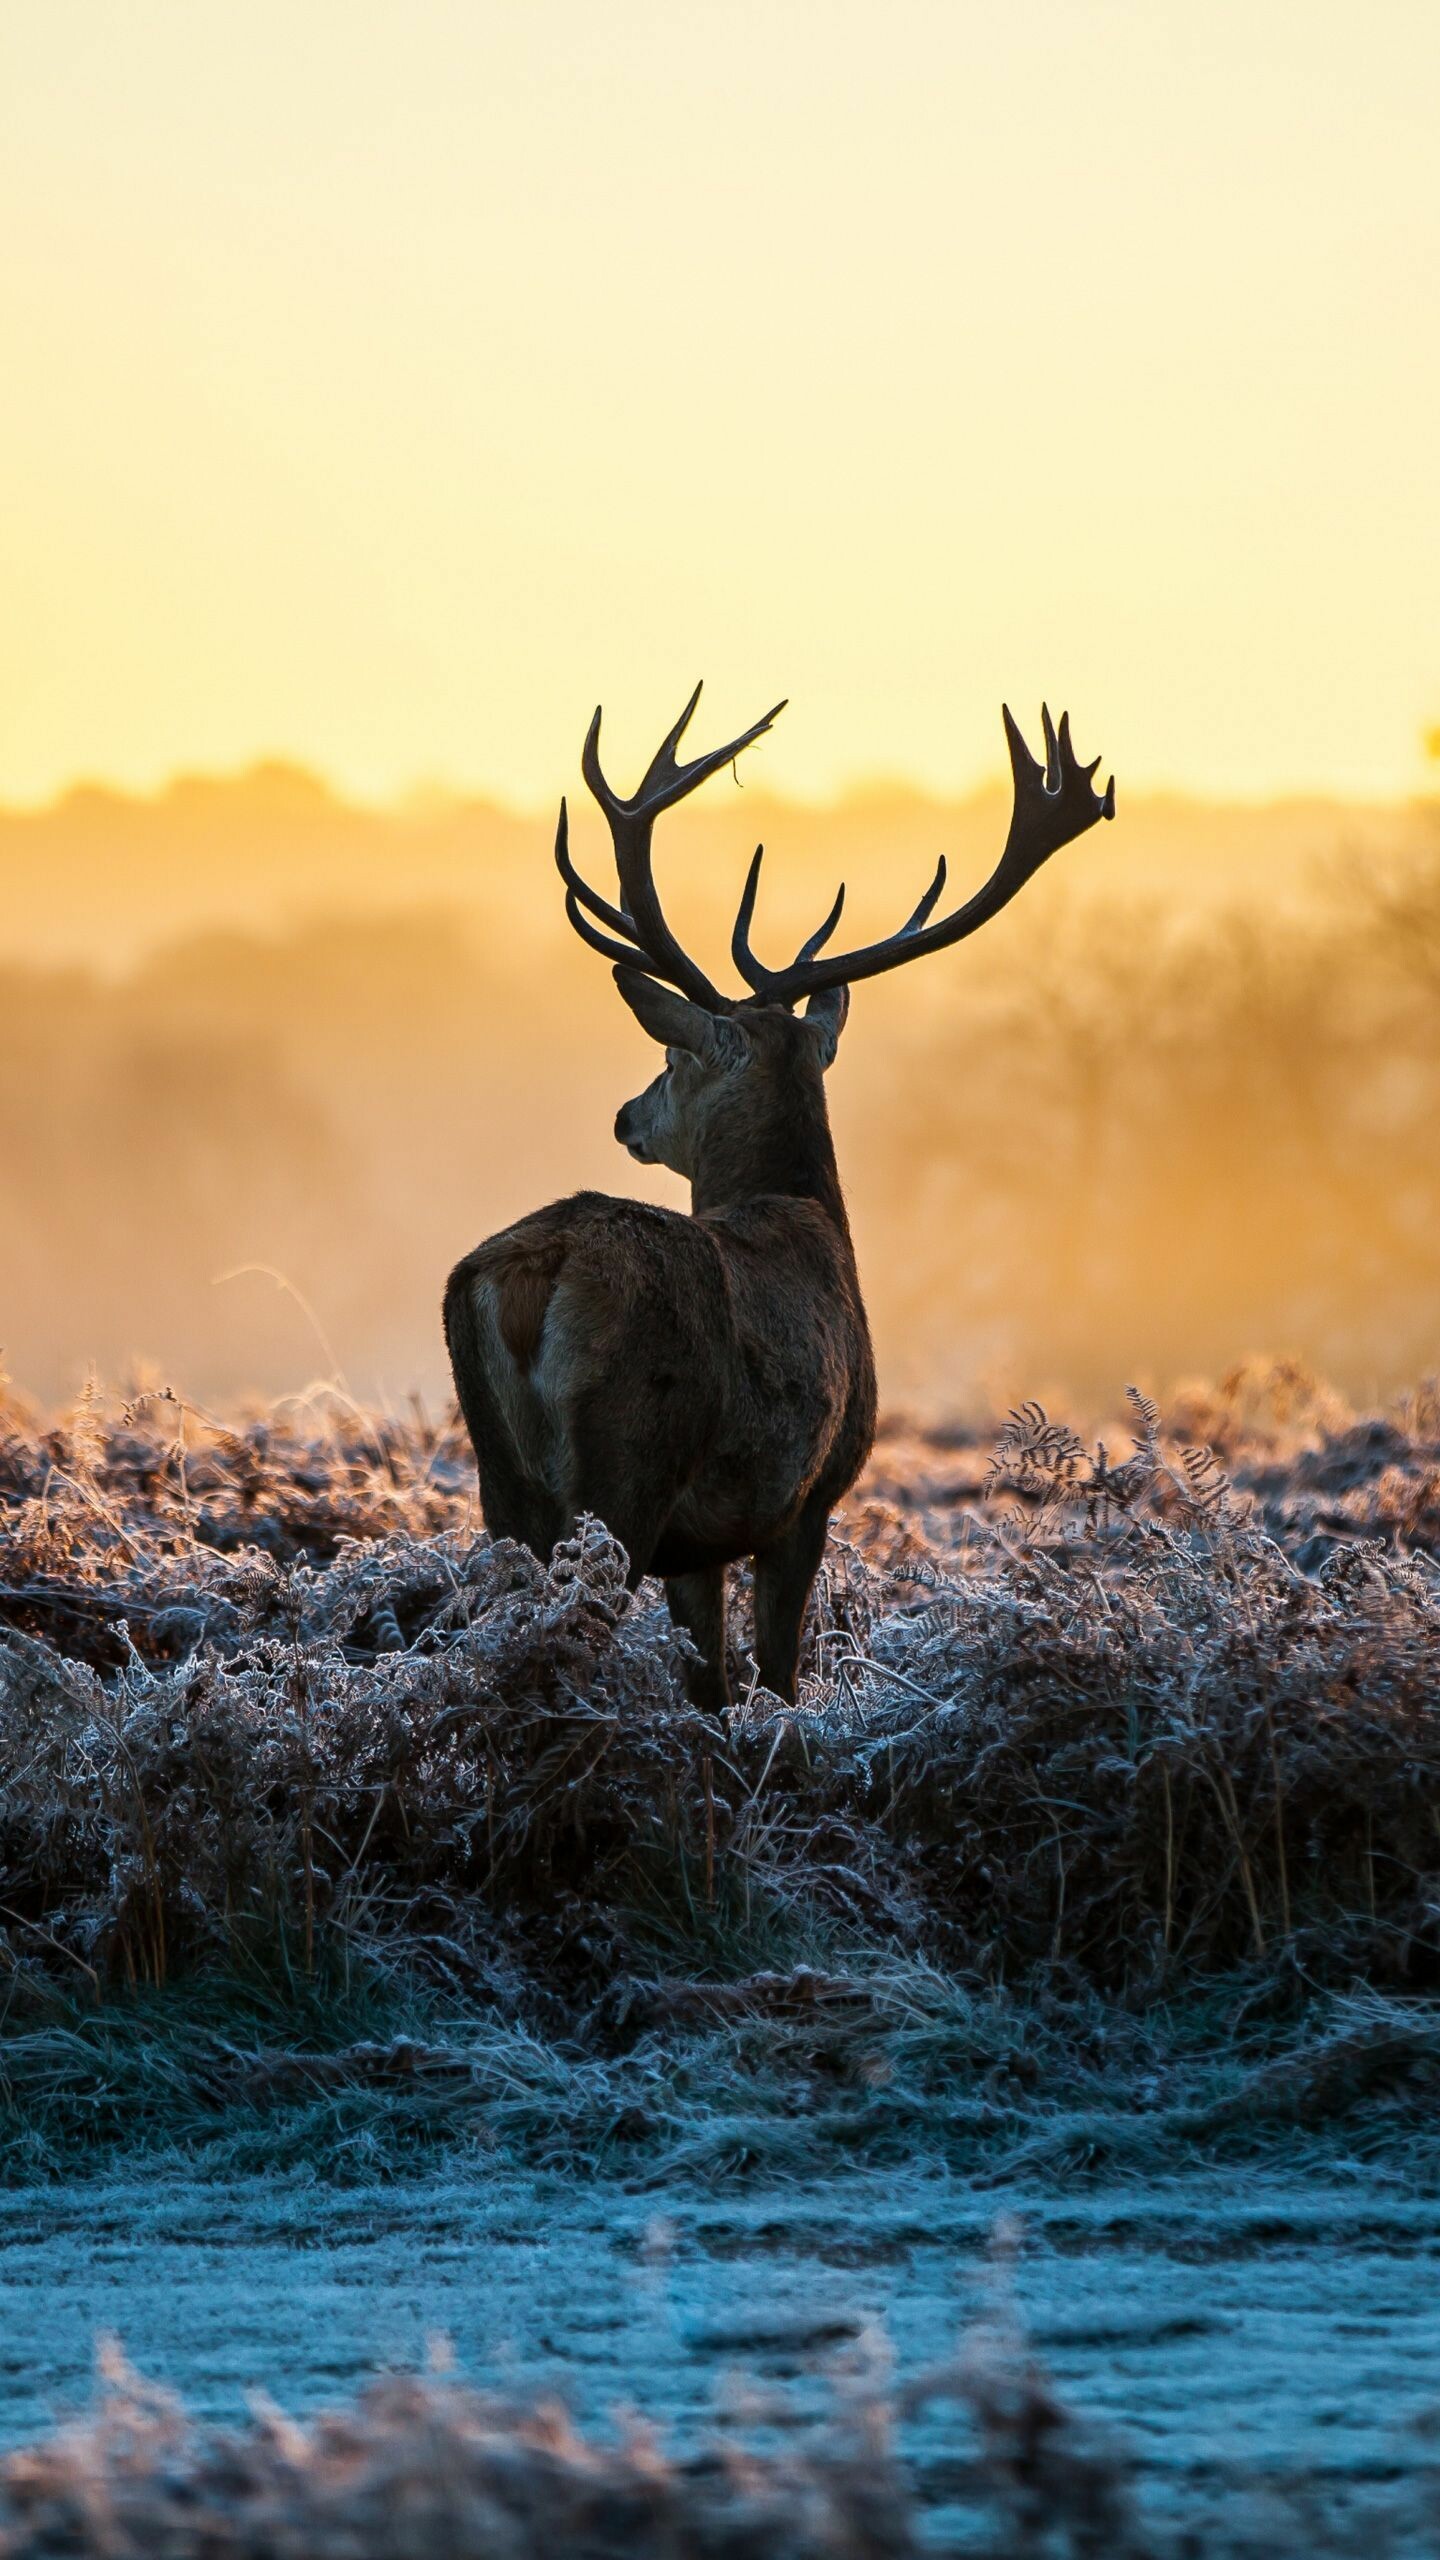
(1111, 1146)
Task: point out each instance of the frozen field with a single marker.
(1227, 2332)
(399, 1967)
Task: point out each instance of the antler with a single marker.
(637, 933)
(1054, 803)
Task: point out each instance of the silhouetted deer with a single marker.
(705, 1385)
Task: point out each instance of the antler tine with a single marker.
(580, 889)
(1054, 802)
(1052, 747)
(667, 781)
(753, 971)
(1067, 751)
(927, 904)
(631, 823)
(760, 980)
(822, 932)
(1023, 766)
(1085, 770)
(668, 745)
(610, 949)
(662, 764)
(579, 897)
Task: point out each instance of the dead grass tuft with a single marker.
(425, 2467)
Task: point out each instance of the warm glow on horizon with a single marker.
(386, 383)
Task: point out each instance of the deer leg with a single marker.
(514, 1496)
(515, 1503)
(784, 1574)
(515, 1508)
(607, 1477)
(697, 1603)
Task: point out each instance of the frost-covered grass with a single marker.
(799, 2077)
(1109, 1825)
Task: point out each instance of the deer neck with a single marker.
(780, 1147)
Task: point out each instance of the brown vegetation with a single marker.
(1072, 1725)
(424, 2468)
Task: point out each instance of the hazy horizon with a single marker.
(1175, 1106)
(105, 877)
(273, 771)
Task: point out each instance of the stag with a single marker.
(704, 1385)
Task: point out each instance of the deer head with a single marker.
(732, 1061)
(721, 1071)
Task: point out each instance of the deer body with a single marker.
(735, 1338)
(705, 1384)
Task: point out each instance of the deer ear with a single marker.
(826, 1014)
(669, 1018)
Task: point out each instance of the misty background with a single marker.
(270, 1062)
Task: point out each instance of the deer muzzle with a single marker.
(630, 1130)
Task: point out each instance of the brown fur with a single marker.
(525, 1279)
(703, 1384)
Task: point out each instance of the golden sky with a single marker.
(386, 380)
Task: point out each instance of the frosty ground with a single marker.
(393, 1953)
(1227, 2332)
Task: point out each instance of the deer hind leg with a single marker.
(502, 1416)
(697, 1603)
(516, 1501)
(514, 1504)
(784, 1574)
(628, 1478)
